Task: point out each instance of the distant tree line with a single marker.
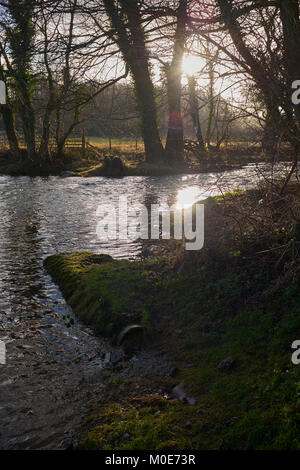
(115, 65)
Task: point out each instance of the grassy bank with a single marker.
(238, 298)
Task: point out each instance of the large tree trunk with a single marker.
(174, 143)
(9, 123)
(133, 48)
(147, 110)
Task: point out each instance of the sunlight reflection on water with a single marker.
(188, 196)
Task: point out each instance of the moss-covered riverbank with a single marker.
(239, 303)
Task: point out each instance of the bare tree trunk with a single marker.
(28, 122)
(58, 128)
(44, 146)
(63, 136)
(9, 123)
(211, 103)
(174, 143)
(194, 111)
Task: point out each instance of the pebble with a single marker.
(226, 364)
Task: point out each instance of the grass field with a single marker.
(133, 145)
(118, 145)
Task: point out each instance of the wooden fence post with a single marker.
(83, 143)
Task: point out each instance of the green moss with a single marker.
(103, 293)
(147, 423)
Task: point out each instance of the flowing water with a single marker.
(50, 376)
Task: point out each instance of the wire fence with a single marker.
(73, 142)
